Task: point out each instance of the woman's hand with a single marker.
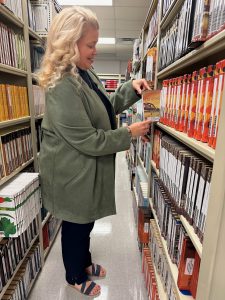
(139, 85)
(140, 128)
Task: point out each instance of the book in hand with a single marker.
(151, 104)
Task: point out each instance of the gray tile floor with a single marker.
(113, 244)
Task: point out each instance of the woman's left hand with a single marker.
(139, 85)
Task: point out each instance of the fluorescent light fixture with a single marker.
(106, 41)
(86, 2)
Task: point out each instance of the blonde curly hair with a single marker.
(62, 53)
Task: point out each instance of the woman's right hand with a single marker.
(140, 128)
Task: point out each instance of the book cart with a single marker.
(21, 112)
(163, 17)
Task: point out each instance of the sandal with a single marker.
(96, 270)
(87, 291)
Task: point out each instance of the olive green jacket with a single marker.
(77, 157)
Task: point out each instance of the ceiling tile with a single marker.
(129, 25)
(130, 13)
(137, 3)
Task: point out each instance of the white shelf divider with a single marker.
(197, 146)
(142, 166)
(13, 122)
(11, 70)
(154, 167)
(193, 236)
(162, 293)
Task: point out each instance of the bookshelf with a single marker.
(22, 77)
(211, 249)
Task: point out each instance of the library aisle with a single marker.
(114, 245)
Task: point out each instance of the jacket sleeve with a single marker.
(124, 97)
(69, 120)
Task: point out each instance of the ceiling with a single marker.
(123, 20)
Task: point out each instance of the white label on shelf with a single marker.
(189, 266)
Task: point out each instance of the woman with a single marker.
(80, 139)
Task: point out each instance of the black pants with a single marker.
(75, 250)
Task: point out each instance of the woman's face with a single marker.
(87, 48)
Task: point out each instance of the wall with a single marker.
(110, 67)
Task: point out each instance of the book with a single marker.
(151, 103)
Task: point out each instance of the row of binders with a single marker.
(187, 179)
(15, 149)
(160, 262)
(13, 250)
(12, 48)
(183, 35)
(13, 102)
(15, 6)
(20, 204)
(20, 286)
(152, 29)
(40, 14)
(187, 263)
(191, 103)
(177, 36)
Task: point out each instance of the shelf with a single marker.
(150, 13)
(142, 166)
(17, 267)
(46, 219)
(18, 170)
(199, 147)
(173, 267)
(39, 117)
(211, 47)
(4, 124)
(135, 195)
(161, 291)
(9, 16)
(193, 236)
(154, 167)
(12, 70)
(171, 12)
(34, 35)
(46, 251)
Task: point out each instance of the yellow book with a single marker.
(5, 102)
(2, 113)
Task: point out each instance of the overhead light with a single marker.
(86, 2)
(106, 41)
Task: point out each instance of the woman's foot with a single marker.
(89, 288)
(96, 270)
